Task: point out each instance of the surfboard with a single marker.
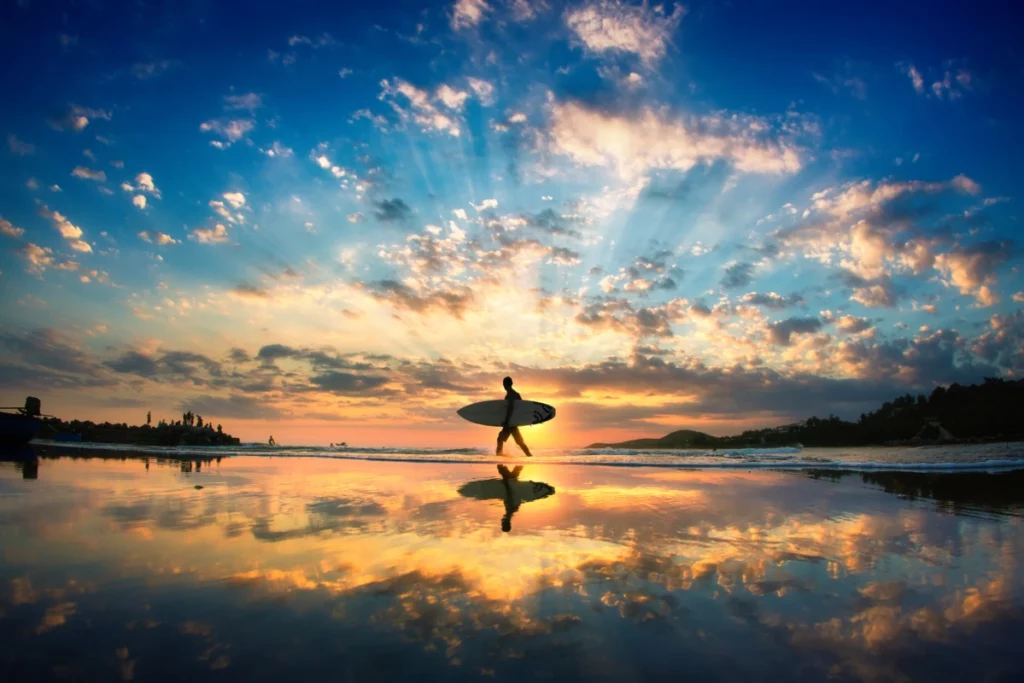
(492, 413)
(494, 489)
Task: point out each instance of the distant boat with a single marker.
(17, 430)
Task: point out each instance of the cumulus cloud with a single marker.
(452, 98)
(484, 90)
(916, 79)
(8, 229)
(76, 118)
(68, 230)
(618, 27)
(235, 199)
(39, 258)
(139, 201)
(392, 210)
(772, 301)
(218, 234)
(636, 144)
(852, 324)
(468, 13)
(249, 101)
(781, 332)
(738, 274)
(89, 174)
(229, 130)
(156, 237)
(972, 269)
(420, 109)
(277, 151)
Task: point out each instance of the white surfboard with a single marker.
(492, 413)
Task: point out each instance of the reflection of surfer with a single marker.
(512, 501)
(511, 396)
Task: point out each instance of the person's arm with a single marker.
(508, 413)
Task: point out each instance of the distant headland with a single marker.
(991, 411)
(190, 430)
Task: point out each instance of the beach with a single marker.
(121, 565)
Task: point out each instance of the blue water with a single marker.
(979, 457)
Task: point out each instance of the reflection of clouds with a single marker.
(835, 569)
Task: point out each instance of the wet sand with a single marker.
(294, 568)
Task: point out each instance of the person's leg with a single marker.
(502, 438)
(519, 440)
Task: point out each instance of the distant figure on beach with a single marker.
(272, 442)
(511, 396)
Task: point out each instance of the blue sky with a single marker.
(343, 219)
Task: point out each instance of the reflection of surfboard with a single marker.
(492, 413)
(522, 491)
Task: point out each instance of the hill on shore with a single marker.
(990, 411)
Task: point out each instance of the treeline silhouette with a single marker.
(990, 411)
(190, 430)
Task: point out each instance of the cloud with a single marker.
(19, 146)
(218, 234)
(89, 174)
(781, 332)
(230, 130)
(76, 118)
(738, 275)
(39, 258)
(235, 199)
(636, 144)
(916, 79)
(455, 299)
(838, 83)
(484, 90)
(392, 210)
(852, 324)
(953, 85)
(248, 291)
(7, 229)
(158, 238)
(147, 70)
(618, 27)
(143, 183)
(68, 230)
(277, 151)
(237, 406)
(344, 72)
(972, 269)
(452, 98)
(485, 204)
(468, 13)
(323, 40)
(249, 101)
(139, 201)
(552, 223)
(880, 295)
(347, 383)
(421, 111)
(772, 301)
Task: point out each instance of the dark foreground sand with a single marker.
(295, 569)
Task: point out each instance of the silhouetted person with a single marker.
(271, 442)
(511, 502)
(511, 396)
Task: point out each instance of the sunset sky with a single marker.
(332, 222)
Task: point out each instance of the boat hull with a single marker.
(17, 430)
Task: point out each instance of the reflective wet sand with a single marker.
(290, 568)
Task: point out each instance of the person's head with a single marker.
(507, 382)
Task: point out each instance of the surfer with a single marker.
(511, 502)
(511, 396)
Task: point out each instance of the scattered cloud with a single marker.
(916, 79)
(420, 109)
(249, 101)
(76, 118)
(602, 26)
(218, 234)
(637, 144)
(484, 90)
(452, 98)
(277, 151)
(139, 201)
(468, 13)
(781, 333)
(158, 238)
(392, 210)
(771, 300)
(738, 274)
(89, 174)
(838, 83)
(19, 147)
(68, 230)
(39, 258)
(229, 130)
(8, 229)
